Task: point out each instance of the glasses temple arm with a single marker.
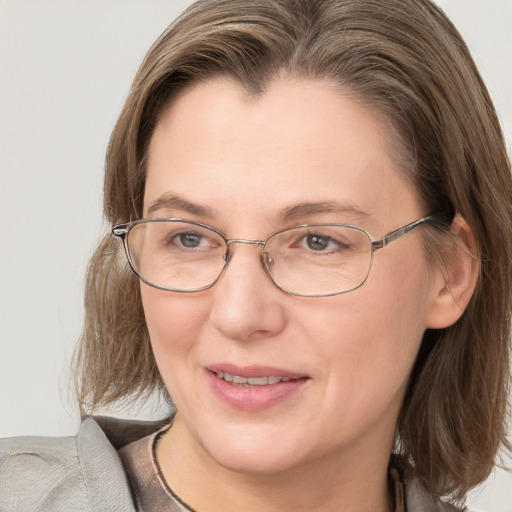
(398, 233)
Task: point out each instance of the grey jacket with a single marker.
(84, 473)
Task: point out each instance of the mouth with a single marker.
(253, 381)
(254, 388)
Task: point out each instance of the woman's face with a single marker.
(249, 166)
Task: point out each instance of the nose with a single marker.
(247, 304)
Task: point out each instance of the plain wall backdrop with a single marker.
(65, 70)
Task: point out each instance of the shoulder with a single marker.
(78, 473)
(38, 473)
(411, 493)
(418, 499)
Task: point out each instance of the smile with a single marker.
(260, 388)
(252, 381)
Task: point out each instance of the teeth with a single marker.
(252, 381)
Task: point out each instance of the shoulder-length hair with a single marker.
(407, 62)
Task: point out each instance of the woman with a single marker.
(315, 201)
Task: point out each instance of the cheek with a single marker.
(372, 335)
(403, 296)
(174, 323)
(396, 311)
(369, 341)
(171, 315)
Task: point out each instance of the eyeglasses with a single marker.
(310, 260)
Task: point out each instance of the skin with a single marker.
(245, 159)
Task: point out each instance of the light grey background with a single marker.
(65, 69)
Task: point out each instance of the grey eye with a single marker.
(317, 242)
(190, 239)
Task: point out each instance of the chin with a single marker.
(255, 449)
(253, 461)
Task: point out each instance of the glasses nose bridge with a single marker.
(259, 243)
(233, 241)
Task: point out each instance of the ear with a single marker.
(455, 281)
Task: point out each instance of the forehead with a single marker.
(300, 139)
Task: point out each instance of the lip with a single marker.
(254, 371)
(253, 398)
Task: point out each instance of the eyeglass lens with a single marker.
(312, 260)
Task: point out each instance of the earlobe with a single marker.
(456, 281)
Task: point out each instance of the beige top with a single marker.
(109, 465)
(152, 493)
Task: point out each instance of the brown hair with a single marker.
(407, 61)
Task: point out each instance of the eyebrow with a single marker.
(295, 212)
(302, 210)
(176, 202)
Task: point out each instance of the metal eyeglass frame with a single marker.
(122, 231)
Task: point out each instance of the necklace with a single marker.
(158, 471)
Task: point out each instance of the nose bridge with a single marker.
(244, 241)
(261, 244)
(233, 241)
(243, 306)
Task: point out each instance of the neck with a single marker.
(353, 481)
